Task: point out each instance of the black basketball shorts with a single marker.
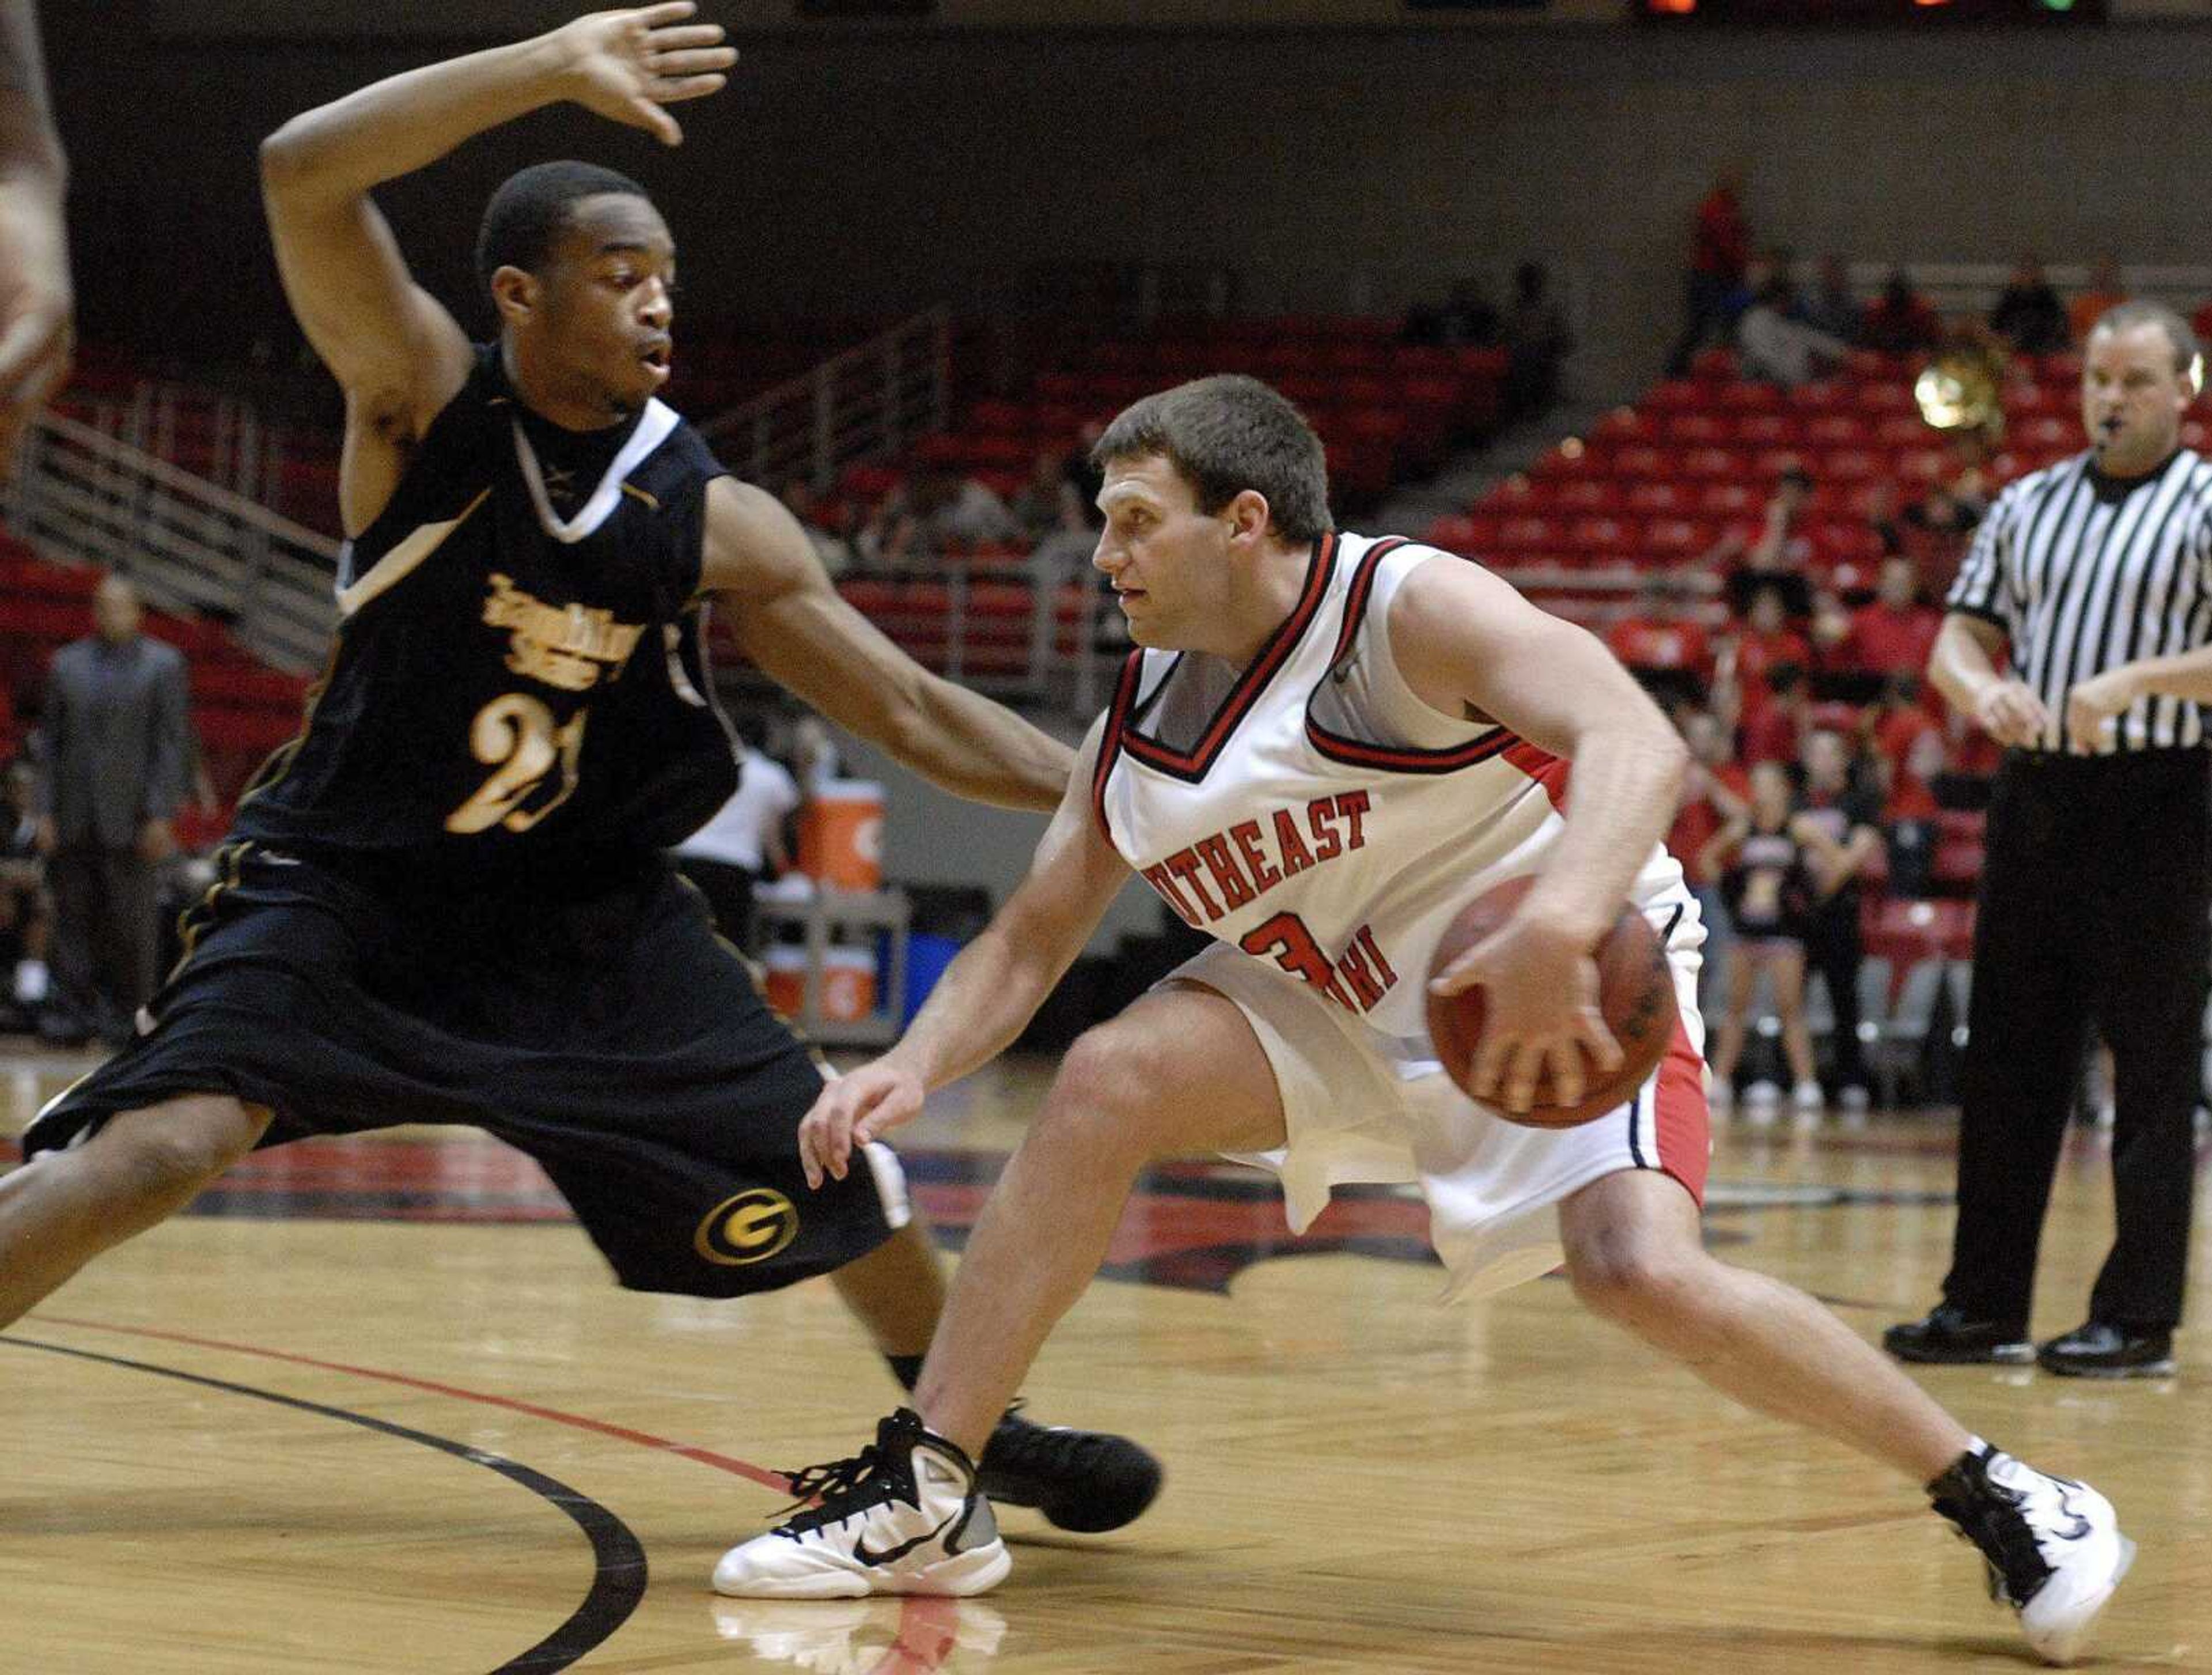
(601, 1028)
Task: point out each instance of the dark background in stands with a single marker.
(864, 173)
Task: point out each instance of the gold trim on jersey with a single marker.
(279, 763)
(404, 559)
(192, 922)
(632, 488)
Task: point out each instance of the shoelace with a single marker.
(840, 1486)
(1999, 1527)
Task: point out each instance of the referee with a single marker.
(2095, 575)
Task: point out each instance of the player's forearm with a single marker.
(983, 1002)
(1626, 781)
(407, 122)
(984, 751)
(30, 149)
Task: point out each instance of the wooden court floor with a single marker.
(376, 1407)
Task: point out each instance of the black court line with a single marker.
(618, 1569)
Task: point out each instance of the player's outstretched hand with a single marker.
(35, 322)
(858, 1108)
(1540, 996)
(627, 65)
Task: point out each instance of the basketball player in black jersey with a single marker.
(445, 900)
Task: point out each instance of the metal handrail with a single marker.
(80, 497)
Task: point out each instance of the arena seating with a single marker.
(1658, 482)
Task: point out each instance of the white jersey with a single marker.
(1311, 810)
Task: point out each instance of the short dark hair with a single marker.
(1227, 434)
(530, 210)
(2126, 316)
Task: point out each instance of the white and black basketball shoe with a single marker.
(2053, 1546)
(902, 1516)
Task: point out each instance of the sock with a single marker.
(905, 1368)
(1953, 1479)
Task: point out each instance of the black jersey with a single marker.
(514, 680)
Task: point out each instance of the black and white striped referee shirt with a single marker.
(2085, 572)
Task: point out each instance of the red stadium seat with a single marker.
(1588, 494)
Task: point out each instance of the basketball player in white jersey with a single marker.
(1326, 746)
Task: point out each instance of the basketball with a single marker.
(1636, 993)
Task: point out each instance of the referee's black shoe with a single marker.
(2097, 1349)
(1945, 1336)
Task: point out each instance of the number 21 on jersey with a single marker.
(516, 737)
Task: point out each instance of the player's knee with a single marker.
(1105, 1096)
(176, 1148)
(1628, 1275)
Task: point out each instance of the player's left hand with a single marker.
(856, 1108)
(1541, 991)
(626, 65)
(2095, 702)
(156, 841)
(36, 330)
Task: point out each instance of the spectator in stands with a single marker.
(1830, 307)
(36, 329)
(1901, 320)
(114, 724)
(1047, 502)
(1775, 346)
(1774, 714)
(1465, 317)
(1662, 643)
(1934, 530)
(26, 914)
(1893, 633)
(1836, 800)
(1084, 474)
(893, 539)
(834, 552)
(2029, 314)
(1536, 341)
(1720, 253)
(1775, 556)
(2106, 293)
(1714, 792)
(1759, 856)
(957, 510)
(742, 844)
(1910, 811)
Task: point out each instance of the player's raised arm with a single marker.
(399, 354)
(798, 631)
(1469, 644)
(990, 992)
(36, 330)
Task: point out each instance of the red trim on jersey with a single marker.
(1194, 762)
(1363, 583)
(1335, 746)
(1548, 771)
(1680, 1116)
(1110, 742)
(1401, 758)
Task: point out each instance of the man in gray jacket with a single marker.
(116, 756)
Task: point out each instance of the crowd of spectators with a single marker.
(1819, 757)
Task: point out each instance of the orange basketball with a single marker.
(1636, 993)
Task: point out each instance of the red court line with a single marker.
(927, 1626)
(774, 1480)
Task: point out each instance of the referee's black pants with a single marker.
(2095, 891)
